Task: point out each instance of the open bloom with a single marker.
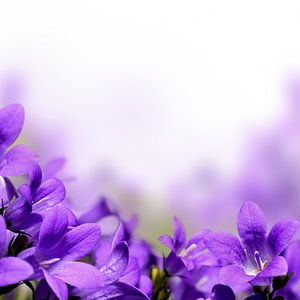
(256, 258)
(56, 250)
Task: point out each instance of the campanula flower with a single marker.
(257, 257)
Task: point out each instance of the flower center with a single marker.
(185, 252)
(46, 263)
(259, 263)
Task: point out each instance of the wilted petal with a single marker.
(59, 288)
(78, 274)
(53, 228)
(2, 236)
(14, 270)
(11, 124)
(116, 263)
(281, 234)
(235, 277)
(222, 292)
(78, 242)
(17, 161)
(277, 267)
(252, 225)
(50, 193)
(225, 246)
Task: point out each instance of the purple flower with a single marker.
(256, 258)
(12, 269)
(120, 272)
(189, 251)
(19, 159)
(53, 258)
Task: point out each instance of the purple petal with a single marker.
(78, 242)
(179, 234)
(19, 216)
(78, 274)
(35, 177)
(146, 285)
(13, 270)
(118, 290)
(174, 264)
(98, 212)
(50, 193)
(59, 288)
(225, 246)
(54, 166)
(43, 291)
(116, 263)
(132, 273)
(235, 277)
(277, 267)
(168, 241)
(222, 292)
(2, 235)
(11, 124)
(19, 160)
(53, 228)
(281, 234)
(292, 255)
(252, 225)
(7, 190)
(119, 236)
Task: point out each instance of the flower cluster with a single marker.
(57, 254)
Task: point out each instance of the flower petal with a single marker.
(235, 277)
(225, 246)
(118, 290)
(19, 160)
(78, 242)
(132, 273)
(179, 234)
(116, 263)
(277, 267)
(222, 292)
(168, 241)
(13, 270)
(252, 226)
(11, 124)
(281, 234)
(59, 288)
(2, 235)
(51, 192)
(99, 211)
(53, 228)
(119, 236)
(78, 274)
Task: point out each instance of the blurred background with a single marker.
(165, 107)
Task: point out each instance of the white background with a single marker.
(150, 88)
